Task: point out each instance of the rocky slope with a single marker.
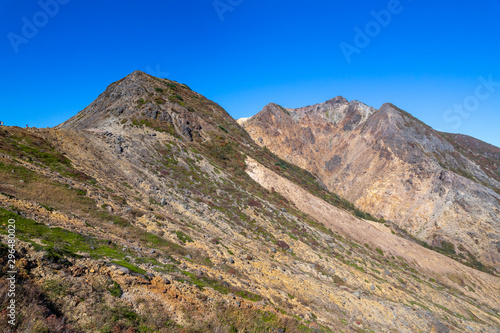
(442, 189)
(152, 210)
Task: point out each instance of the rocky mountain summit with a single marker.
(442, 189)
(133, 99)
(152, 210)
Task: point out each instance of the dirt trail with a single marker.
(365, 233)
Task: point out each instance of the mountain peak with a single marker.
(137, 73)
(164, 105)
(389, 107)
(120, 97)
(271, 111)
(337, 100)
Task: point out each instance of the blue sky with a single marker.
(424, 56)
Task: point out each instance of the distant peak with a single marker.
(271, 111)
(273, 105)
(389, 108)
(242, 121)
(276, 108)
(388, 105)
(337, 100)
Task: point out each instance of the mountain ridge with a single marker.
(340, 141)
(153, 210)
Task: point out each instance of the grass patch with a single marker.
(131, 267)
(60, 243)
(183, 237)
(115, 289)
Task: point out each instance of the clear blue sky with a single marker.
(426, 59)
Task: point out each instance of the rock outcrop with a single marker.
(441, 188)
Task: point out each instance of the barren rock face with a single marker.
(439, 187)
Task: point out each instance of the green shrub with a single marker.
(448, 247)
(115, 289)
(183, 237)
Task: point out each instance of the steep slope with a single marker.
(140, 99)
(395, 167)
(142, 215)
(483, 154)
